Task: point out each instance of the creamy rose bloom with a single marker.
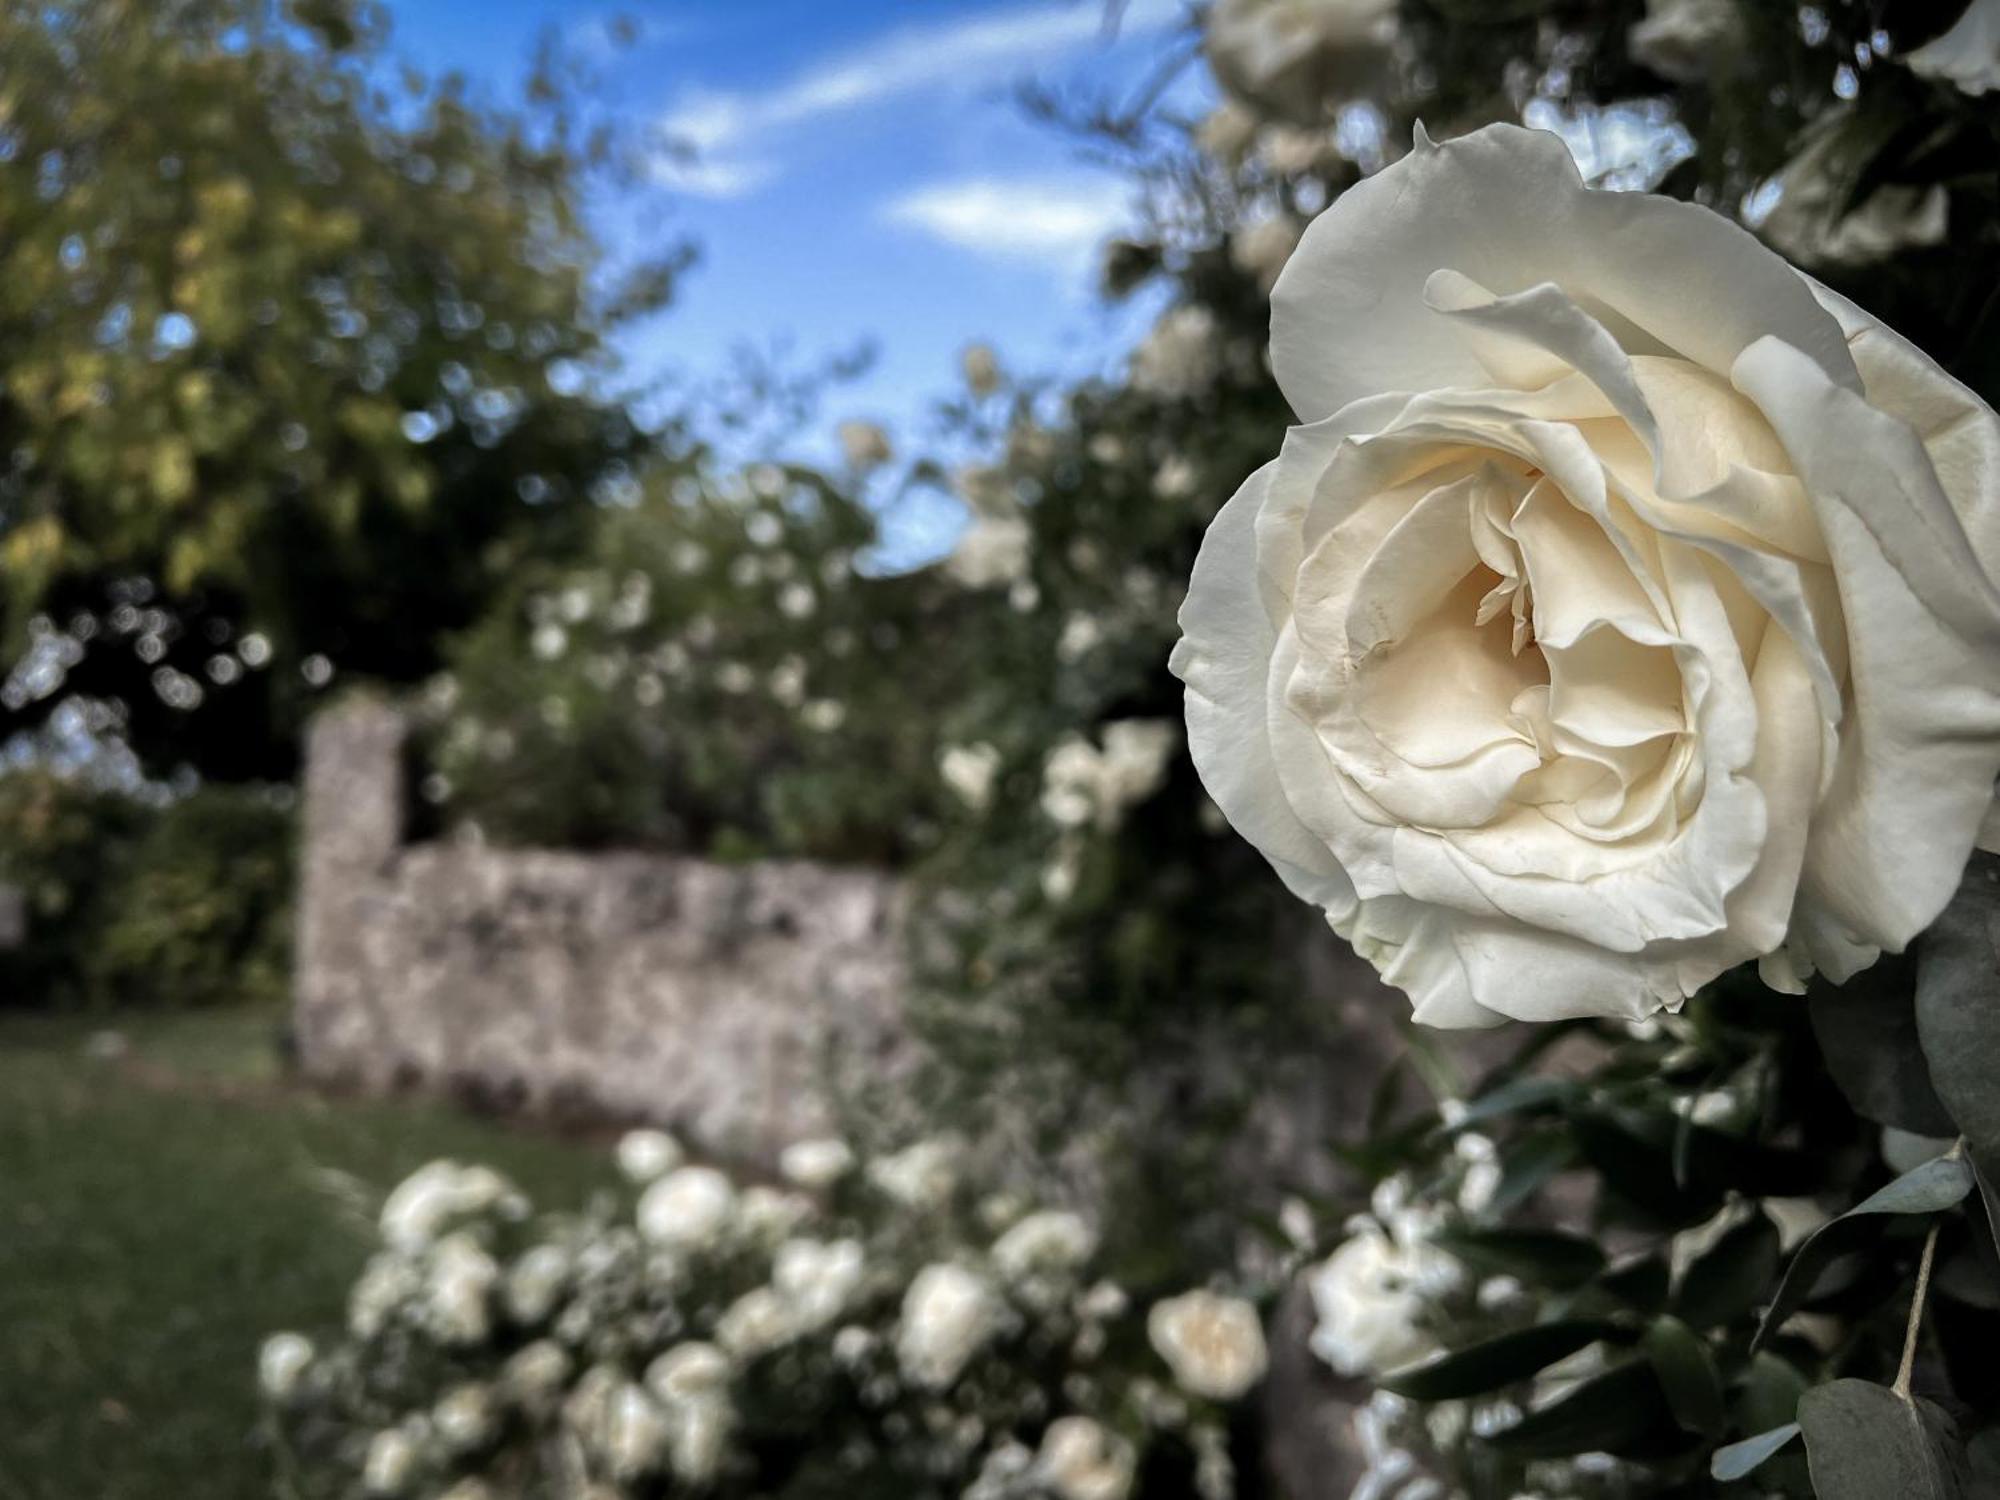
(1214, 1345)
(1622, 609)
(817, 1164)
(948, 1315)
(282, 1363)
(1295, 58)
(1369, 1296)
(1968, 55)
(646, 1154)
(1082, 1460)
(1685, 39)
(687, 1209)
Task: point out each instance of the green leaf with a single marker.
(1767, 1394)
(1640, 1284)
(1731, 1277)
(1928, 1189)
(1735, 1460)
(1623, 1411)
(1958, 1017)
(1687, 1374)
(1639, 1171)
(1867, 1442)
(1539, 1257)
(1867, 1031)
(1496, 1362)
(1513, 1098)
(1527, 1163)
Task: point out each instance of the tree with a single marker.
(296, 362)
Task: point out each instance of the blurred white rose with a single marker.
(817, 1164)
(1968, 55)
(689, 1372)
(981, 367)
(1261, 248)
(464, 1418)
(948, 1315)
(1706, 553)
(535, 1283)
(691, 1381)
(391, 1463)
(864, 445)
(646, 1154)
(534, 1376)
(281, 1363)
(1815, 223)
(1213, 1344)
(1083, 784)
(636, 1434)
(920, 1176)
(1685, 40)
(757, 1322)
(818, 1278)
(389, 1283)
(969, 771)
(1369, 1296)
(688, 1209)
(1049, 1241)
(1082, 1460)
(440, 1194)
(991, 551)
(1297, 58)
(1181, 356)
(459, 1291)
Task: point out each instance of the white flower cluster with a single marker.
(673, 1341)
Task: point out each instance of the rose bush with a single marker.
(1621, 609)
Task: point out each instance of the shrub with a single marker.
(179, 902)
(879, 1331)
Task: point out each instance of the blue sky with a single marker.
(862, 170)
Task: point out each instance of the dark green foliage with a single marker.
(164, 903)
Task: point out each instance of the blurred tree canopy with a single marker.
(297, 358)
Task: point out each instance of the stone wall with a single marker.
(724, 1000)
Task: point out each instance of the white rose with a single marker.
(991, 551)
(948, 1315)
(440, 1195)
(534, 1376)
(819, 1164)
(969, 771)
(458, 1296)
(920, 1176)
(864, 445)
(818, 1278)
(646, 1154)
(1684, 39)
(464, 1418)
(766, 1215)
(1082, 783)
(687, 1209)
(282, 1363)
(535, 1283)
(637, 1433)
(1622, 611)
(1081, 1460)
(1214, 1345)
(981, 368)
(1180, 356)
(1295, 57)
(1051, 1240)
(756, 1323)
(1968, 55)
(1261, 249)
(1814, 220)
(1368, 1296)
(390, 1464)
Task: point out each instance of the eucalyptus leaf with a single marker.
(1958, 1009)
(1867, 1032)
(1928, 1189)
(1867, 1442)
(1731, 1277)
(1687, 1374)
(1539, 1257)
(1623, 1411)
(1735, 1460)
(1516, 1097)
(1526, 1164)
(1496, 1362)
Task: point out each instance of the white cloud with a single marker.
(1055, 222)
(961, 55)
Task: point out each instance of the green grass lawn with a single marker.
(160, 1213)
